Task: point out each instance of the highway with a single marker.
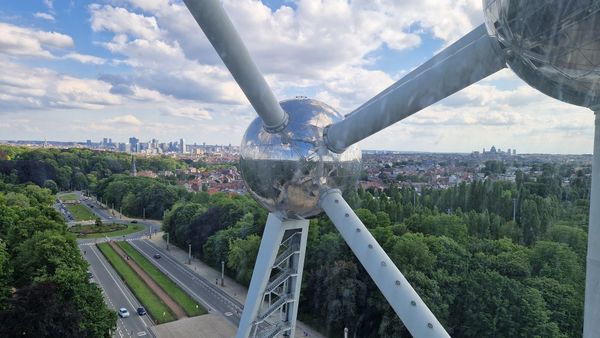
(116, 294)
(197, 286)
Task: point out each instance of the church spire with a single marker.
(133, 168)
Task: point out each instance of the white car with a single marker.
(123, 313)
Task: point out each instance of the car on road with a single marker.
(157, 255)
(134, 221)
(141, 311)
(123, 313)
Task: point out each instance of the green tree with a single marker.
(5, 275)
(51, 185)
(40, 310)
(42, 254)
(242, 257)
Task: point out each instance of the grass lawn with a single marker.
(68, 197)
(153, 304)
(80, 212)
(110, 230)
(191, 307)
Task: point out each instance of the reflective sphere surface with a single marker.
(286, 171)
(553, 45)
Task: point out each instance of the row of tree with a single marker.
(139, 196)
(72, 169)
(44, 287)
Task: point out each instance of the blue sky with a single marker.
(77, 70)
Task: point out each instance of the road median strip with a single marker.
(156, 308)
(176, 309)
(191, 307)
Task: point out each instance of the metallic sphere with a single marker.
(553, 45)
(286, 171)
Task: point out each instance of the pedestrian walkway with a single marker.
(231, 287)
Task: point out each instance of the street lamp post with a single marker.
(514, 210)
(222, 273)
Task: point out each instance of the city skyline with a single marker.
(108, 142)
(80, 70)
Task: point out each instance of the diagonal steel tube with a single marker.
(405, 301)
(470, 59)
(221, 33)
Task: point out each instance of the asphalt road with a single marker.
(201, 289)
(116, 294)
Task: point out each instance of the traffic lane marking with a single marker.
(205, 286)
(118, 286)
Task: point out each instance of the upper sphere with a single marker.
(553, 45)
(287, 171)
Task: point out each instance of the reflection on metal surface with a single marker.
(554, 45)
(286, 171)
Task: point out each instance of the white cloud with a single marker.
(84, 58)
(320, 44)
(19, 41)
(129, 120)
(49, 4)
(120, 21)
(45, 16)
(188, 112)
(26, 88)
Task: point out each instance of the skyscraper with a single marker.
(134, 144)
(182, 146)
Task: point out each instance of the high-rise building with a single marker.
(134, 144)
(182, 146)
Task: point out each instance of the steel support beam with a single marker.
(591, 321)
(291, 233)
(405, 301)
(470, 59)
(221, 33)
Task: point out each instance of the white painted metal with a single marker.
(470, 59)
(221, 33)
(591, 321)
(413, 312)
(273, 236)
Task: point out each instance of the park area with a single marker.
(68, 197)
(110, 230)
(80, 212)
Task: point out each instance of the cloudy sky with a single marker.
(77, 70)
